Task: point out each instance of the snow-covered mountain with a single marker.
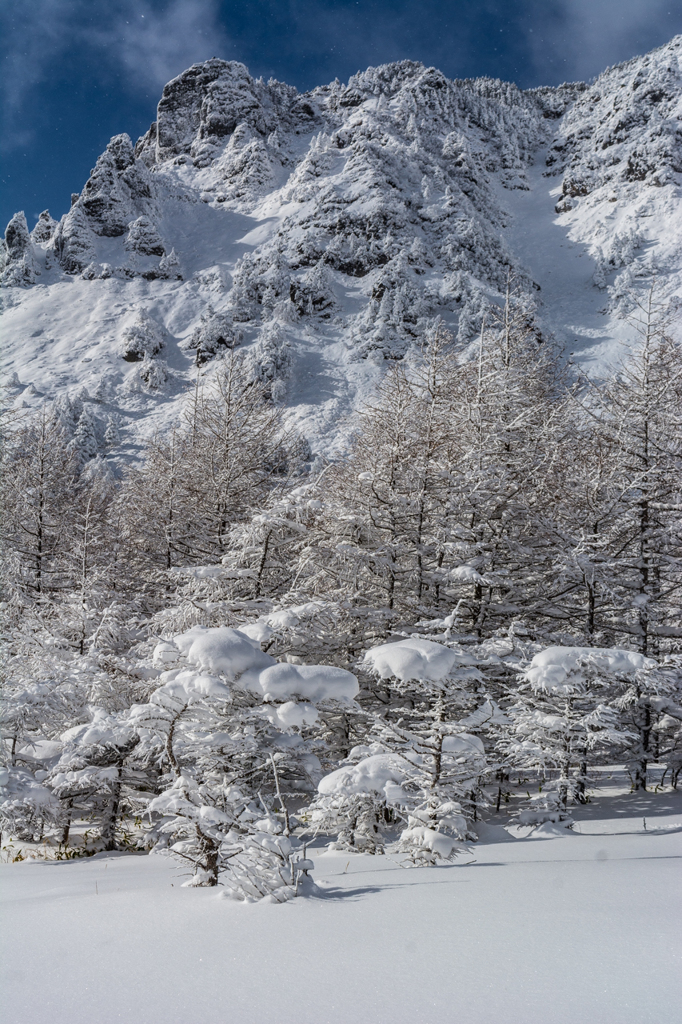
(323, 232)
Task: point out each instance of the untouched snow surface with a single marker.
(550, 927)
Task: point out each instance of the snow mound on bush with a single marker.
(104, 728)
(188, 686)
(441, 845)
(463, 744)
(291, 714)
(313, 682)
(562, 668)
(223, 650)
(371, 776)
(414, 659)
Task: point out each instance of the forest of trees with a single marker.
(497, 561)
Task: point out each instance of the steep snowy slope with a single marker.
(324, 232)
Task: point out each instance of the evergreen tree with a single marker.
(84, 441)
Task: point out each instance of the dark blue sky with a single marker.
(75, 72)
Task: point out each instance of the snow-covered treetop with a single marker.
(415, 659)
(560, 669)
(222, 650)
(103, 728)
(314, 682)
(231, 654)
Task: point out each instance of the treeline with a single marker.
(497, 559)
(507, 489)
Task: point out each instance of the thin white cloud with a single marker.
(148, 42)
(584, 37)
(154, 44)
(33, 36)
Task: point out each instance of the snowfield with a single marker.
(554, 926)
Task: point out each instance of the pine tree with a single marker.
(84, 441)
(112, 437)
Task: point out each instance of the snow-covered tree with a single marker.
(97, 772)
(84, 442)
(143, 238)
(232, 728)
(39, 472)
(27, 807)
(144, 337)
(638, 415)
(446, 496)
(112, 435)
(422, 766)
(89, 565)
(580, 703)
(216, 334)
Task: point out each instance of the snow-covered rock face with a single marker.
(625, 128)
(618, 156)
(17, 266)
(325, 232)
(117, 200)
(202, 107)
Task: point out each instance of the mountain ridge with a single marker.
(324, 232)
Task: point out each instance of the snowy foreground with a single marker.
(544, 927)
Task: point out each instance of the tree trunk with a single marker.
(110, 815)
(66, 828)
(642, 762)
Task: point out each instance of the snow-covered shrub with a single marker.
(215, 333)
(233, 730)
(261, 279)
(313, 292)
(142, 338)
(169, 266)
(27, 807)
(153, 373)
(143, 238)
